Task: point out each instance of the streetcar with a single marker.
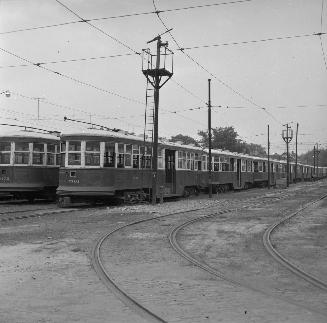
(29, 165)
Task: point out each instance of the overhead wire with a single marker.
(97, 28)
(252, 41)
(321, 27)
(206, 70)
(72, 60)
(123, 16)
(124, 44)
(39, 65)
(102, 116)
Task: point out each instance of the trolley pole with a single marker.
(297, 130)
(155, 76)
(210, 139)
(287, 137)
(268, 160)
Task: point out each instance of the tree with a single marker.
(185, 140)
(307, 158)
(225, 138)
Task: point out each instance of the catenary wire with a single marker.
(321, 27)
(97, 28)
(120, 42)
(210, 73)
(39, 65)
(252, 41)
(72, 60)
(123, 16)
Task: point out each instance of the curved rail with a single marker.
(105, 277)
(111, 285)
(109, 282)
(176, 246)
(281, 259)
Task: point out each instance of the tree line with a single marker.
(226, 138)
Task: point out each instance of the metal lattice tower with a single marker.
(158, 69)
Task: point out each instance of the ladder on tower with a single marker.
(149, 113)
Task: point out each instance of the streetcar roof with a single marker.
(27, 134)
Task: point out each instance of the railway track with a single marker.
(281, 259)
(109, 281)
(10, 215)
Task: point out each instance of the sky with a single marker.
(267, 64)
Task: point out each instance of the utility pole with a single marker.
(314, 160)
(297, 130)
(268, 160)
(38, 107)
(209, 138)
(317, 153)
(154, 76)
(287, 137)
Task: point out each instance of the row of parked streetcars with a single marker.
(101, 165)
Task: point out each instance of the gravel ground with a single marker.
(46, 273)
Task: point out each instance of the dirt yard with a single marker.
(46, 273)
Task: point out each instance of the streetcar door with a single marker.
(170, 168)
(238, 169)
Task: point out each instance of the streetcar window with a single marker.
(92, 146)
(22, 146)
(120, 157)
(22, 153)
(74, 146)
(4, 158)
(21, 158)
(160, 158)
(243, 165)
(51, 148)
(216, 164)
(225, 166)
(188, 160)
(38, 158)
(249, 166)
(5, 148)
(146, 157)
(109, 154)
(38, 153)
(74, 159)
(51, 154)
(128, 155)
(255, 167)
(231, 165)
(192, 161)
(180, 159)
(92, 159)
(264, 167)
(260, 167)
(39, 147)
(50, 159)
(92, 153)
(63, 147)
(204, 162)
(74, 153)
(196, 161)
(136, 156)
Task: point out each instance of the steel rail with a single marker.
(109, 282)
(281, 259)
(186, 255)
(23, 211)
